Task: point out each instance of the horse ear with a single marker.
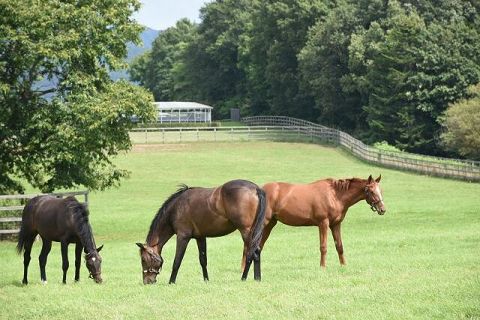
(378, 179)
(370, 179)
(140, 245)
(100, 248)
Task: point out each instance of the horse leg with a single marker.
(42, 259)
(64, 247)
(256, 265)
(202, 255)
(266, 233)
(337, 237)
(78, 260)
(182, 243)
(248, 259)
(26, 257)
(323, 230)
(256, 258)
(247, 268)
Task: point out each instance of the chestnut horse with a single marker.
(322, 203)
(63, 220)
(205, 212)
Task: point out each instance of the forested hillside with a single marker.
(381, 70)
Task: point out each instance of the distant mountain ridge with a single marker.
(147, 36)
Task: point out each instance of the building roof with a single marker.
(180, 105)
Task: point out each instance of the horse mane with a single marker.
(81, 223)
(343, 184)
(162, 212)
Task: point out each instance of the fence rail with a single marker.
(436, 166)
(9, 226)
(193, 134)
(291, 129)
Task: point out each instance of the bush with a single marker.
(461, 124)
(383, 145)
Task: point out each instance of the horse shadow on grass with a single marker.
(15, 283)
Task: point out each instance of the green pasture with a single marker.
(419, 261)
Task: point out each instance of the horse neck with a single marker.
(86, 238)
(354, 193)
(158, 237)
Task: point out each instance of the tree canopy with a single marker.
(62, 118)
(159, 69)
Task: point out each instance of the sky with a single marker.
(161, 14)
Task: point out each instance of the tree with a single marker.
(62, 119)
(386, 70)
(324, 64)
(392, 112)
(417, 69)
(212, 61)
(277, 34)
(461, 125)
(159, 69)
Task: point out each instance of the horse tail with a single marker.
(21, 239)
(23, 234)
(257, 228)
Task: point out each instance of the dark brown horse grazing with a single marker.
(205, 212)
(322, 203)
(62, 220)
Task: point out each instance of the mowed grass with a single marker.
(419, 261)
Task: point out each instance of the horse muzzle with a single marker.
(149, 281)
(378, 209)
(381, 210)
(96, 277)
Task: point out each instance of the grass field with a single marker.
(419, 261)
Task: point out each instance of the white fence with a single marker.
(291, 129)
(205, 134)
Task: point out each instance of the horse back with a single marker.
(214, 212)
(50, 217)
(299, 204)
(196, 213)
(239, 201)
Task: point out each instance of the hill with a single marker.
(147, 37)
(418, 261)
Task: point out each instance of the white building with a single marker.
(179, 111)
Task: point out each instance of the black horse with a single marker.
(63, 220)
(205, 212)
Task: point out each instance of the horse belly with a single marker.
(296, 220)
(54, 228)
(214, 228)
(297, 213)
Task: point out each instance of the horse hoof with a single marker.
(44, 282)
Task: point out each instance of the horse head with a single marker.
(151, 263)
(373, 195)
(94, 264)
